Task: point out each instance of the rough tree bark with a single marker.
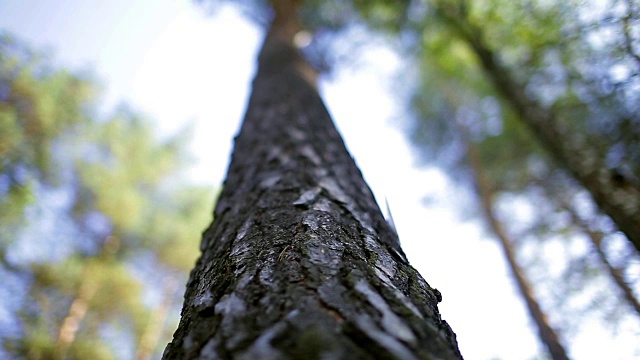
(546, 333)
(299, 261)
(615, 195)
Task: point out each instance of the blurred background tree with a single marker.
(98, 227)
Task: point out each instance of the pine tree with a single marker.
(299, 261)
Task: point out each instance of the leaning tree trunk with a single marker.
(616, 196)
(299, 261)
(616, 274)
(563, 200)
(596, 238)
(546, 333)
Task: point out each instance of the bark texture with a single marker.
(615, 195)
(299, 261)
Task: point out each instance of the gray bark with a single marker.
(299, 261)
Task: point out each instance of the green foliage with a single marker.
(172, 232)
(127, 168)
(126, 203)
(90, 348)
(388, 14)
(36, 105)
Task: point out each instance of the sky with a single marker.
(168, 60)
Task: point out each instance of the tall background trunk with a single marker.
(616, 196)
(546, 333)
(299, 262)
(616, 274)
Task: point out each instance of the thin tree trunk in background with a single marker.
(299, 261)
(77, 312)
(617, 197)
(80, 304)
(546, 333)
(595, 238)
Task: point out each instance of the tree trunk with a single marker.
(616, 196)
(299, 261)
(595, 238)
(546, 333)
(76, 314)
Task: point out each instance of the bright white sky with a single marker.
(166, 59)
